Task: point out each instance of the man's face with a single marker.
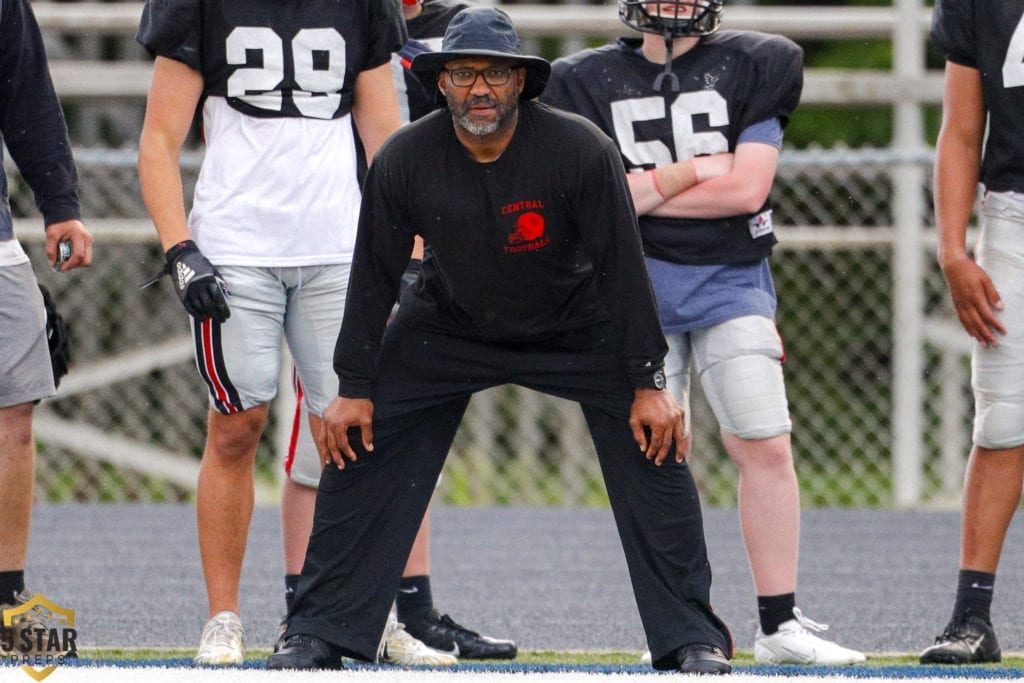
(480, 107)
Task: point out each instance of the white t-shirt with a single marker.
(11, 253)
(275, 191)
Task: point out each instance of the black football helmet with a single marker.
(675, 18)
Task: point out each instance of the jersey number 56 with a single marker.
(687, 143)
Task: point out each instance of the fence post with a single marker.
(908, 265)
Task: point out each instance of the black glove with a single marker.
(58, 338)
(202, 291)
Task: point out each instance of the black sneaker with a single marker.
(305, 653)
(967, 640)
(698, 658)
(444, 634)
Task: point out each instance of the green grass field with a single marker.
(545, 657)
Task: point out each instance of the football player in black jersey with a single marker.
(984, 83)
(264, 254)
(698, 116)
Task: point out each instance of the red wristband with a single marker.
(654, 179)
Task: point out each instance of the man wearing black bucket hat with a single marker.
(533, 275)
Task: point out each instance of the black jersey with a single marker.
(273, 58)
(988, 35)
(727, 82)
(541, 241)
(32, 122)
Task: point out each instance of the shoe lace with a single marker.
(808, 624)
(453, 625)
(222, 633)
(299, 639)
(956, 629)
(31, 619)
(951, 632)
(19, 598)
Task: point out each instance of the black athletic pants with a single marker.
(367, 514)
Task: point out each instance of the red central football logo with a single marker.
(529, 227)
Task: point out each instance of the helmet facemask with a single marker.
(672, 19)
(678, 18)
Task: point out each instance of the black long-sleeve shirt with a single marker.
(32, 122)
(542, 240)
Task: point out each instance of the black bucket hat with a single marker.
(484, 32)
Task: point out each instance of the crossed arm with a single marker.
(716, 186)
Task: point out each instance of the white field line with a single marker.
(93, 674)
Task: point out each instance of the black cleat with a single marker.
(969, 639)
(444, 634)
(698, 658)
(307, 653)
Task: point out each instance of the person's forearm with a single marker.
(162, 191)
(955, 182)
(652, 188)
(170, 108)
(721, 197)
(958, 159)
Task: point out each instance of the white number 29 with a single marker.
(259, 86)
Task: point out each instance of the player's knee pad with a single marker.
(748, 395)
(999, 424)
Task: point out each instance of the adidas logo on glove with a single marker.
(185, 275)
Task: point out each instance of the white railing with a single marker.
(77, 79)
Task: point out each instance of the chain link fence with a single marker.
(128, 423)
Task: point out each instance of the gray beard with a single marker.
(464, 121)
(479, 129)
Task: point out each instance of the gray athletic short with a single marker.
(240, 359)
(302, 461)
(25, 371)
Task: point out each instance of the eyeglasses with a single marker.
(493, 75)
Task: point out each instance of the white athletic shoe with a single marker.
(402, 649)
(222, 642)
(33, 619)
(645, 658)
(794, 643)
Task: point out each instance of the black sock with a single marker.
(291, 582)
(773, 610)
(414, 600)
(11, 583)
(974, 593)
